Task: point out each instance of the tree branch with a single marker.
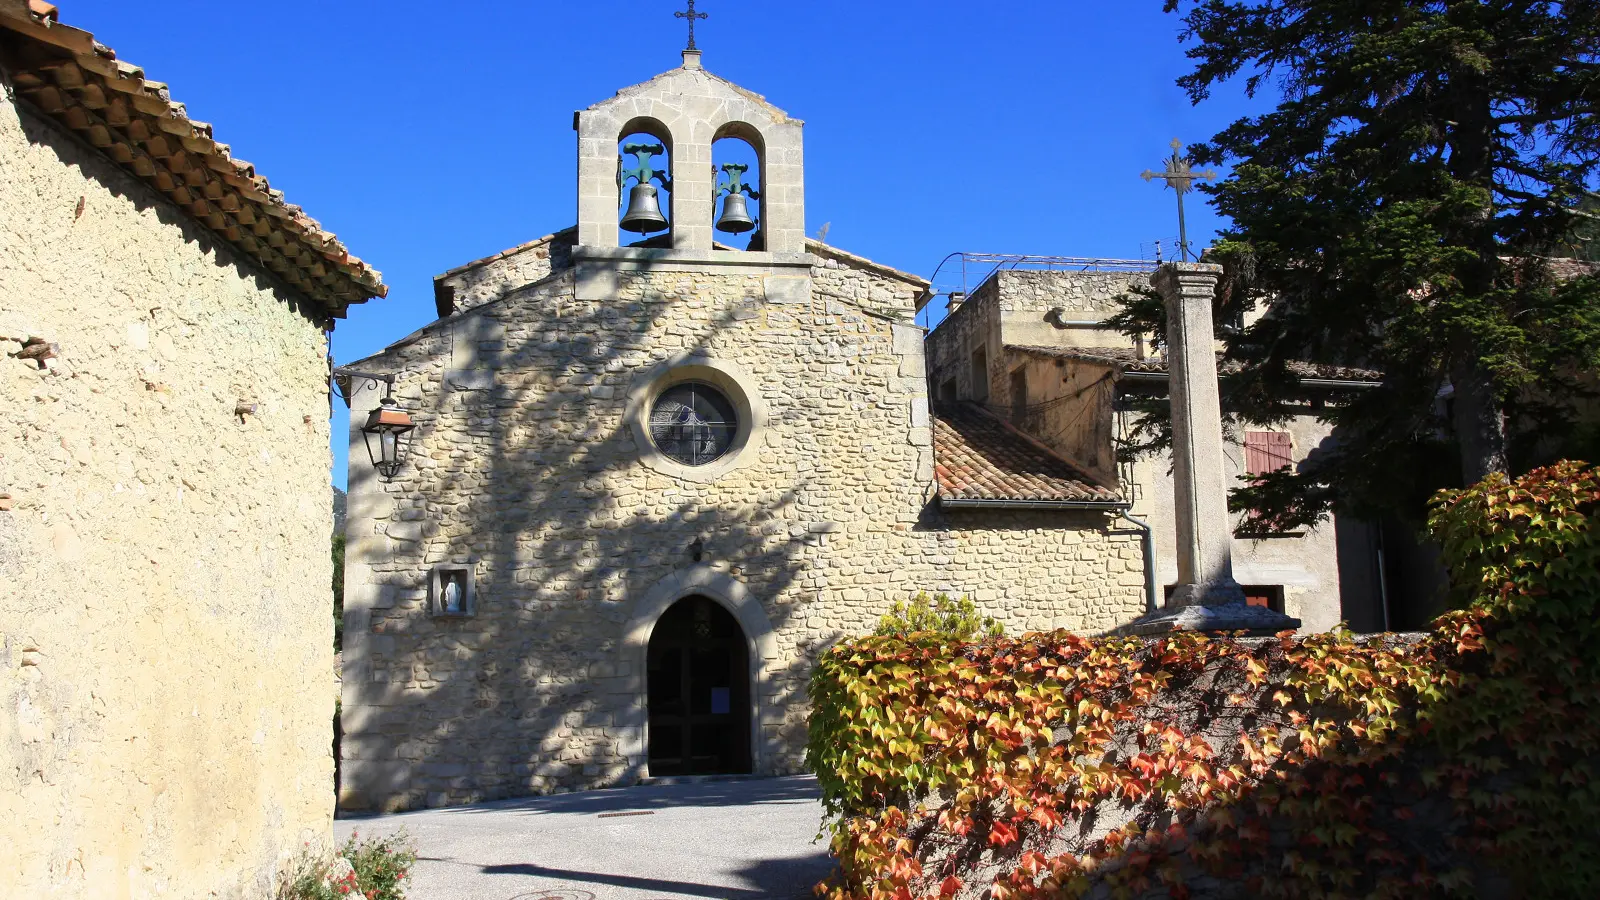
(1522, 118)
(1521, 195)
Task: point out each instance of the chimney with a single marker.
(956, 299)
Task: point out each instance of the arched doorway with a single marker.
(698, 683)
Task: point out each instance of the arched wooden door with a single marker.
(699, 691)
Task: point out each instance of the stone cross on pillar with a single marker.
(1205, 536)
(1207, 597)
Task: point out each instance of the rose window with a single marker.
(693, 423)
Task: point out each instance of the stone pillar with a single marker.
(1205, 536)
(1207, 597)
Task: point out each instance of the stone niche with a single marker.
(452, 593)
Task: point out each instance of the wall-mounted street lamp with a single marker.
(388, 428)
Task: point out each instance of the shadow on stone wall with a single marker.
(545, 494)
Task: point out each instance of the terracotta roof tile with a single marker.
(1565, 269)
(977, 456)
(1125, 359)
(560, 243)
(77, 81)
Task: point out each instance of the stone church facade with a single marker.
(166, 649)
(552, 595)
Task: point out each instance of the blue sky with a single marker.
(427, 135)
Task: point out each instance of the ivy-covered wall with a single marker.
(1460, 762)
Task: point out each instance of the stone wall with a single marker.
(970, 327)
(1075, 416)
(165, 642)
(526, 469)
(1027, 308)
(1069, 406)
(477, 283)
(1085, 295)
(1305, 563)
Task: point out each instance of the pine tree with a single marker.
(1585, 242)
(1397, 210)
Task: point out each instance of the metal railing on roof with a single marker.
(989, 264)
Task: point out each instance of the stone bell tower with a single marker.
(687, 110)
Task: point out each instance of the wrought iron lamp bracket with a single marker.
(347, 383)
(387, 432)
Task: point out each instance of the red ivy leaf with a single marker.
(1002, 835)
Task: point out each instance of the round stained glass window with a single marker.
(693, 423)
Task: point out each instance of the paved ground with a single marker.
(725, 840)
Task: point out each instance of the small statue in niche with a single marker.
(452, 592)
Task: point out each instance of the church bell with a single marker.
(644, 210)
(735, 209)
(735, 215)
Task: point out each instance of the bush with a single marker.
(1465, 762)
(382, 865)
(942, 615)
(374, 869)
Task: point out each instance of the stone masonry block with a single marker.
(919, 412)
(907, 339)
(787, 289)
(471, 379)
(596, 281)
(404, 531)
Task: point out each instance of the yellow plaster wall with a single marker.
(165, 621)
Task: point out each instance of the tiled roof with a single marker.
(977, 456)
(1564, 268)
(1125, 359)
(559, 246)
(63, 72)
(566, 235)
(564, 239)
(861, 262)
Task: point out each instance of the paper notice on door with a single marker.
(721, 701)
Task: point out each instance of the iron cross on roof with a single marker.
(1181, 178)
(691, 15)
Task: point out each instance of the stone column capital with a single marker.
(1177, 281)
(1172, 270)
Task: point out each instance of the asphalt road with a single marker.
(726, 840)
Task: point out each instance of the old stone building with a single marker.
(165, 637)
(1029, 344)
(650, 483)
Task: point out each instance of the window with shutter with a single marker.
(1267, 451)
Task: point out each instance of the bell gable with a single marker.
(688, 110)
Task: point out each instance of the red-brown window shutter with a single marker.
(1267, 451)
